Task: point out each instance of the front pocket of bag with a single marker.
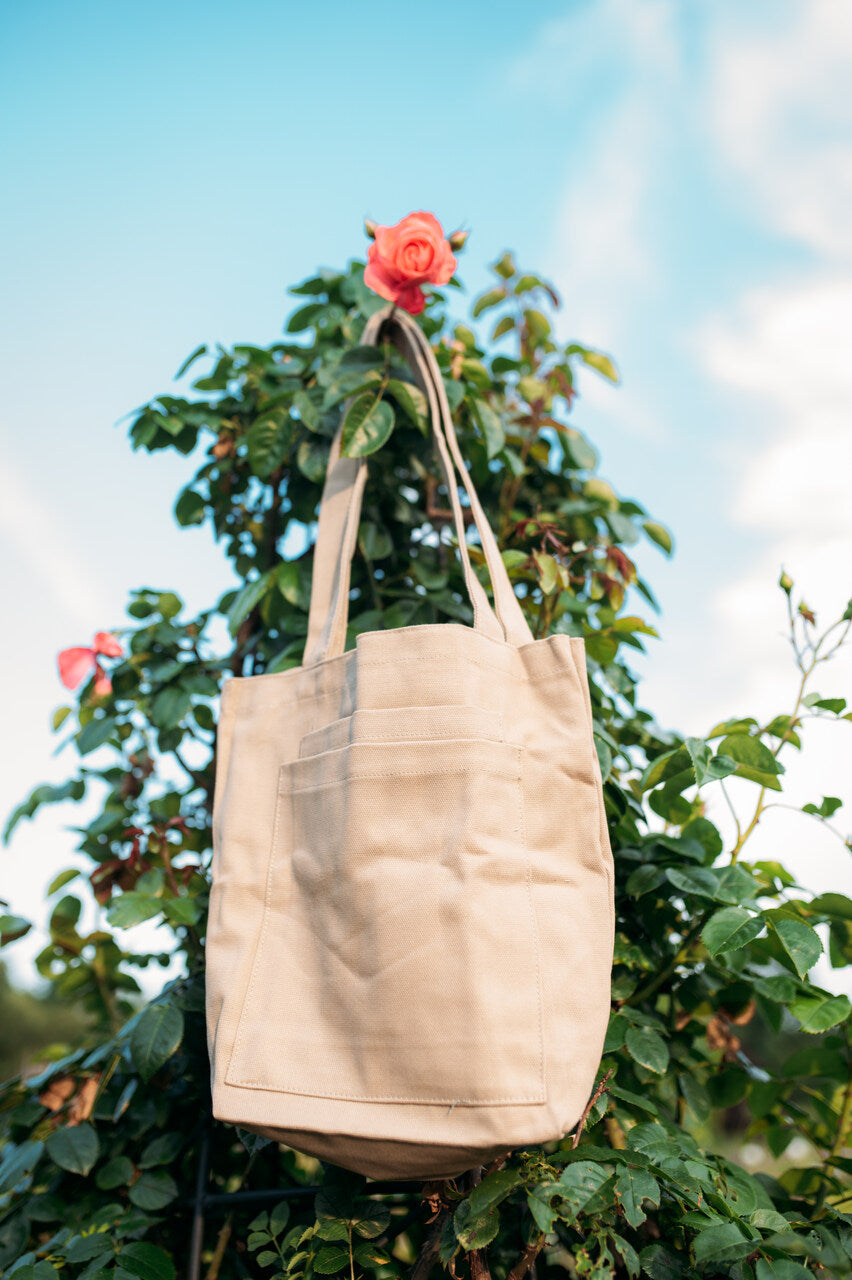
(398, 957)
(404, 724)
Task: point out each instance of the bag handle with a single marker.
(340, 511)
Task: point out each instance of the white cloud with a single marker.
(781, 113)
(42, 544)
(787, 350)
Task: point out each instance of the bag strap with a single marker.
(340, 511)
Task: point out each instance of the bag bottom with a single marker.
(383, 1157)
(435, 1146)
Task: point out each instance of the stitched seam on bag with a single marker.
(415, 1102)
(604, 846)
(534, 925)
(455, 627)
(392, 773)
(261, 941)
(388, 737)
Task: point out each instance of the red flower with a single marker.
(77, 663)
(404, 257)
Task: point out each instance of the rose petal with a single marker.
(411, 298)
(106, 643)
(377, 278)
(74, 665)
(102, 686)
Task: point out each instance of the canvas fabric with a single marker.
(411, 916)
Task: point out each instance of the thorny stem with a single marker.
(429, 1252)
(221, 1246)
(478, 1258)
(527, 1258)
(807, 669)
(779, 804)
(575, 1141)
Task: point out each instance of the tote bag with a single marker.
(411, 917)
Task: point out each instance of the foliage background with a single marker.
(102, 1146)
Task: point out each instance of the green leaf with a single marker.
(578, 452)
(660, 1264)
(578, 1183)
(491, 426)
(491, 298)
(330, 1259)
(147, 1261)
(595, 360)
(722, 1243)
(835, 905)
(411, 401)
(268, 442)
(375, 543)
(18, 1163)
(475, 1230)
(191, 359)
(132, 908)
(647, 1048)
(74, 789)
(836, 705)
(372, 1224)
(189, 508)
(156, 1036)
(95, 734)
(117, 1173)
(695, 880)
(644, 880)
(659, 534)
(329, 1228)
(75, 1148)
(182, 911)
(279, 1217)
(493, 1189)
(753, 758)
(707, 767)
(32, 1271)
(12, 928)
(799, 941)
(632, 1187)
(162, 1150)
(730, 929)
(95, 1248)
(369, 1255)
(250, 596)
(305, 317)
(153, 1190)
(60, 881)
(170, 706)
(505, 325)
(505, 267)
(367, 426)
(312, 459)
(817, 1013)
(781, 1268)
(826, 809)
(307, 409)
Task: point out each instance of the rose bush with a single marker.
(717, 1028)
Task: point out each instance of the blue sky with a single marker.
(683, 171)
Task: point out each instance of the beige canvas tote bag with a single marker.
(411, 917)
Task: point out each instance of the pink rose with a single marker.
(77, 663)
(404, 257)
